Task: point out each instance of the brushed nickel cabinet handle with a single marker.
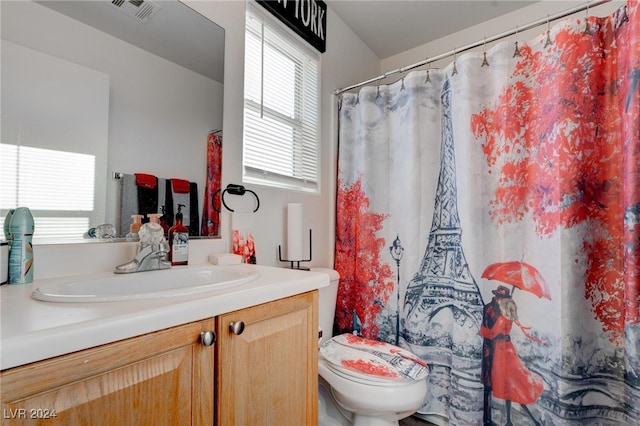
(208, 338)
(236, 327)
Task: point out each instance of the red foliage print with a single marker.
(211, 209)
(370, 368)
(563, 138)
(365, 282)
(352, 339)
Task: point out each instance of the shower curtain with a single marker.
(488, 220)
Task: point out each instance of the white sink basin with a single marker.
(177, 281)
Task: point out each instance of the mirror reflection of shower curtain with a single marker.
(488, 220)
(211, 204)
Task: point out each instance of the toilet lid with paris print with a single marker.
(376, 360)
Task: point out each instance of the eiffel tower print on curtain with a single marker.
(443, 306)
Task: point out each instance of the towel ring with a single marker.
(234, 189)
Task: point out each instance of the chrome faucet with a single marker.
(151, 251)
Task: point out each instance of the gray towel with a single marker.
(129, 205)
(162, 195)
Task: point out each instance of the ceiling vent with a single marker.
(140, 10)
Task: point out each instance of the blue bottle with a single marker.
(21, 231)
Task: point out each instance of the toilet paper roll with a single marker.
(294, 231)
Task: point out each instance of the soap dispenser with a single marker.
(163, 222)
(179, 241)
(154, 217)
(135, 226)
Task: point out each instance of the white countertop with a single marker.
(31, 330)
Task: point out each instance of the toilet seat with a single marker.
(371, 362)
(365, 379)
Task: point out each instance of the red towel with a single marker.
(180, 186)
(146, 181)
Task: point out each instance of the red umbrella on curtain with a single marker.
(523, 276)
(520, 275)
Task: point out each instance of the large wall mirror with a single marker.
(96, 93)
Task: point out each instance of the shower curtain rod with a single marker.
(453, 52)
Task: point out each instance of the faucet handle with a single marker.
(163, 248)
(151, 251)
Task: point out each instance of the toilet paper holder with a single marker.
(295, 264)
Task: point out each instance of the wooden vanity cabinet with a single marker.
(267, 374)
(162, 378)
(267, 364)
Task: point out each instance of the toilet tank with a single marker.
(327, 302)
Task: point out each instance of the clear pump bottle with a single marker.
(135, 226)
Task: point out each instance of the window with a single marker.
(280, 106)
(57, 186)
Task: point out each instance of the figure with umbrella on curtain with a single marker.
(503, 374)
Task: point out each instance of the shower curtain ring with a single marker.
(428, 78)
(455, 59)
(548, 42)
(587, 29)
(516, 52)
(485, 63)
(625, 17)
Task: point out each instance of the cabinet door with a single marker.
(163, 378)
(268, 373)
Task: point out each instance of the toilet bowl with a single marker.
(363, 382)
(370, 400)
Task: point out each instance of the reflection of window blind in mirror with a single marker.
(57, 186)
(45, 179)
(57, 229)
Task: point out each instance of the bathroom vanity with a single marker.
(164, 377)
(260, 369)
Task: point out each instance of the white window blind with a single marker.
(57, 186)
(280, 107)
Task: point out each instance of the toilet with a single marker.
(363, 382)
